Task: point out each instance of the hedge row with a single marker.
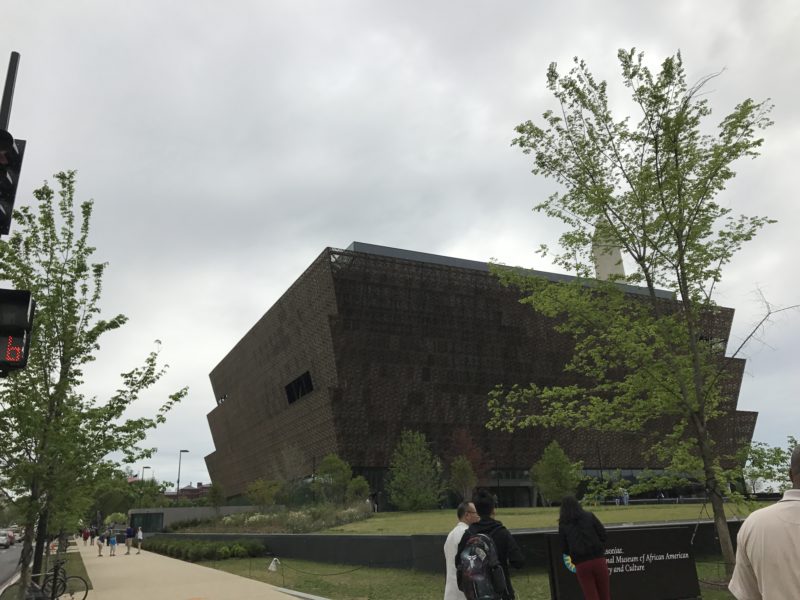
(197, 550)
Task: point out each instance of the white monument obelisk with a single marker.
(606, 253)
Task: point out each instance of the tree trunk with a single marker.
(715, 493)
(41, 537)
(25, 559)
(724, 534)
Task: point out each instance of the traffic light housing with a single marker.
(16, 322)
(11, 153)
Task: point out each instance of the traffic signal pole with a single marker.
(8, 91)
(12, 150)
(16, 306)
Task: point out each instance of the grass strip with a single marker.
(73, 566)
(349, 582)
(442, 521)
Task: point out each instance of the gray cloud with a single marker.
(227, 146)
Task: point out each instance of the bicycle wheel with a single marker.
(76, 588)
(47, 585)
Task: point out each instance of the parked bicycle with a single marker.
(57, 584)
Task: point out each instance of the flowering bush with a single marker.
(298, 521)
(303, 520)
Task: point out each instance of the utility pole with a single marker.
(12, 150)
(178, 486)
(16, 306)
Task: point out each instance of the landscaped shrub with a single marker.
(195, 552)
(319, 511)
(234, 520)
(209, 551)
(178, 525)
(253, 547)
(298, 521)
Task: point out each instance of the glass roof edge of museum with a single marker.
(464, 263)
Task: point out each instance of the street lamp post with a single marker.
(178, 486)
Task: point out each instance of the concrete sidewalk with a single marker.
(150, 576)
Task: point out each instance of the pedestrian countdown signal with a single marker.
(16, 322)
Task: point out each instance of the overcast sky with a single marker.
(227, 144)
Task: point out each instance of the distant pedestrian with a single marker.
(583, 538)
(128, 539)
(101, 541)
(112, 544)
(85, 535)
(139, 538)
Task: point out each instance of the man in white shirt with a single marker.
(467, 515)
(768, 547)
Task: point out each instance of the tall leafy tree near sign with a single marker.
(648, 188)
(56, 440)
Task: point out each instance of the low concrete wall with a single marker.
(186, 513)
(424, 552)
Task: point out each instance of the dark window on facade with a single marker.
(299, 387)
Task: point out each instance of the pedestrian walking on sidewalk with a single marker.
(112, 544)
(128, 539)
(139, 537)
(101, 541)
(92, 535)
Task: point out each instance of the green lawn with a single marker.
(346, 582)
(442, 521)
(343, 582)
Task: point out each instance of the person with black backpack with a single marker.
(583, 538)
(484, 554)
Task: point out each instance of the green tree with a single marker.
(648, 188)
(555, 474)
(415, 474)
(766, 467)
(216, 496)
(599, 489)
(332, 477)
(261, 492)
(114, 494)
(55, 439)
(151, 493)
(116, 519)
(357, 489)
(462, 477)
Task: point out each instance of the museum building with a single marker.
(372, 340)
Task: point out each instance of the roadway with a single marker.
(9, 559)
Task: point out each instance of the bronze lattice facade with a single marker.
(372, 340)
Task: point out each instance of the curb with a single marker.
(297, 594)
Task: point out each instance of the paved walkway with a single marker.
(150, 576)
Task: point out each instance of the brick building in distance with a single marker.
(373, 340)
